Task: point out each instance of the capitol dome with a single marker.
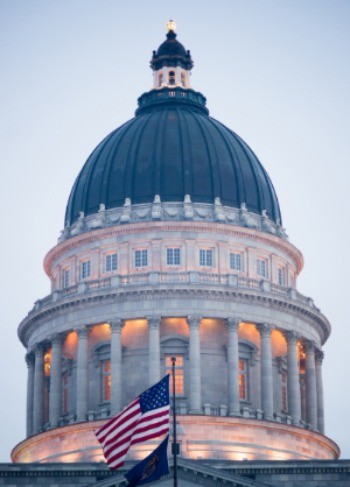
(173, 249)
(172, 148)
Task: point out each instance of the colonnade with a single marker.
(313, 374)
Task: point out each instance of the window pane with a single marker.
(85, 269)
(140, 258)
(179, 373)
(173, 256)
(106, 380)
(261, 268)
(243, 380)
(111, 262)
(66, 278)
(281, 277)
(236, 261)
(205, 258)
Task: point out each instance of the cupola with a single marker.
(171, 63)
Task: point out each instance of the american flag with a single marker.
(146, 417)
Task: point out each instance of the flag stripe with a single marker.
(145, 418)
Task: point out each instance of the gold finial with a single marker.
(171, 25)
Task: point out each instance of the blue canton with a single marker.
(156, 396)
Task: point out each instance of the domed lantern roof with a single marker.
(170, 150)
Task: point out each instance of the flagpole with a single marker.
(173, 360)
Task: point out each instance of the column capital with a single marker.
(116, 325)
(83, 332)
(154, 321)
(39, 348)
(264, 329)
(291, 336)
(29, 358)
(194, 321)
(56, 339)
(233, 323)
(319, 356)
(309, 346)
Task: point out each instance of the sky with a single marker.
(277, 72)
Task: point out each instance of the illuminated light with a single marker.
(279, 343)
(70, 345)
(248, 331)
(172, 326)
(100, 333)
(47, 363)
(171, 25)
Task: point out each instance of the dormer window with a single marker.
(171, 77)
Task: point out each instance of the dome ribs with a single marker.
(172, 149)
(113, 164)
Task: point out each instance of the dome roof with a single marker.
(172, 148)
(171, 53)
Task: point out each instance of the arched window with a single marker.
(171, 77)
(105, 368)
(183, 79)
(160, 79)
(176, 346)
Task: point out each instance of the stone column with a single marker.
(233, 367)
(116, 366)
(266, 370)
(293, 379)
(311, 394)
(319, 387)
(55, 400)
(82, 374)
(195, 365)
(38, 400)
(154, 350)
(30, 392)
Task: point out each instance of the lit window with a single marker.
(141, 258)
(205, 258)
(85, 269)
(111, 262)
(284, 391)
(106, 380)
(65, 278)
(171, 78)
(173, 256)
(261, 267)
(281, 279)
(243, 379)
(179, 373)
(65, 393)
(235, 261)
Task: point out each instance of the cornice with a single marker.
(251, 297)
(201, 227)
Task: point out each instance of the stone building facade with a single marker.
(173, 246)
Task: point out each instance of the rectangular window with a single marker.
(206, 258)
(243, 379)
(65, 393)
(173, 256)
(179, 373)
(85, 269)
(281, 279)
(106, 380)
(141, 258)
(261, 267)
(111, 262)
(66, 278)
(284, 391)
(236, 261)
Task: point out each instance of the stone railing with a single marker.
(175, 278)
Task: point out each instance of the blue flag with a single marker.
(151, 468)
